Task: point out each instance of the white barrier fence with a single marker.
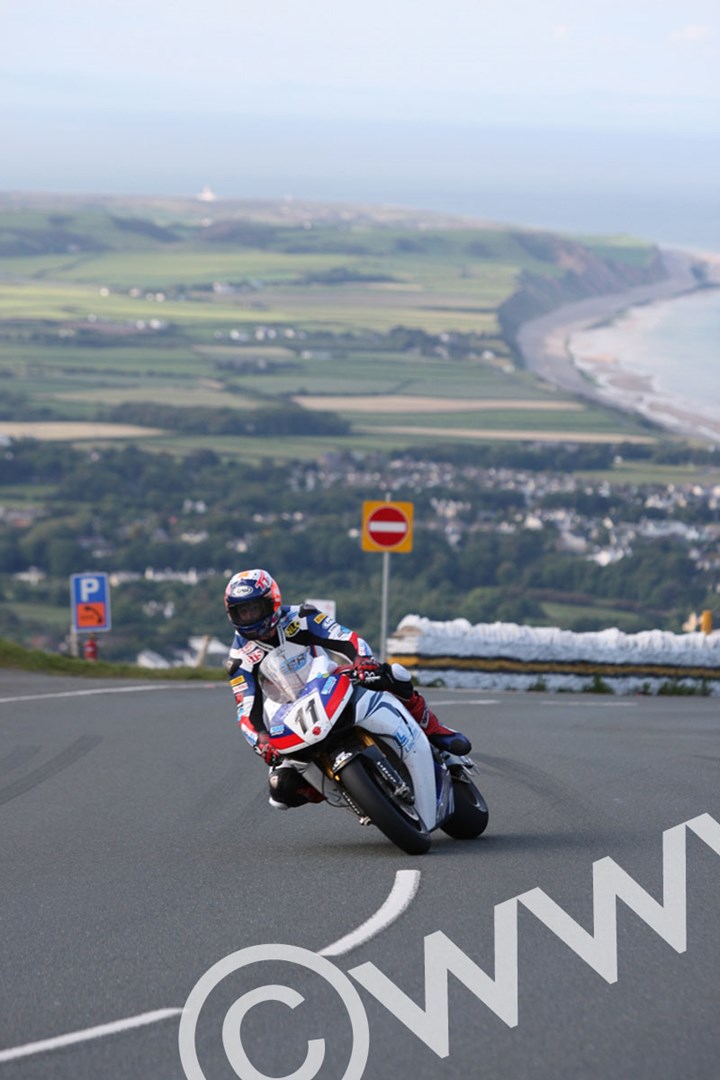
(506, 656)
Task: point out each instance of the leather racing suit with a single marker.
(302, 625)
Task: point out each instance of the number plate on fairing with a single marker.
(308, 717)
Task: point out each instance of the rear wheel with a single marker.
(471, 814)
(399, 821)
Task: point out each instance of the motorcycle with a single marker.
(364, 752)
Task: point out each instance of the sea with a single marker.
(674, 344)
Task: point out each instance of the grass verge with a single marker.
(21, 659)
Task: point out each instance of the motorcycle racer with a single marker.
(262, 622)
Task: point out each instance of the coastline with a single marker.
(546, 346)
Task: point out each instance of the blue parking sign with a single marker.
(90, 596)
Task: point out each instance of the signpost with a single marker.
(90, 601)
(387, 527)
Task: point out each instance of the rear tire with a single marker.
(471, 813)
(392, 819)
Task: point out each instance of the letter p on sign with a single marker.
(89, 589)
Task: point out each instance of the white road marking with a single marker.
(467, 701)
(99, 1032)
(400, 898)
(590, 704)
(110, 690)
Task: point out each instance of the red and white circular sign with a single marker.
(388, 526)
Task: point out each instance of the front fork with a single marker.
(449, 769)
(366, 747)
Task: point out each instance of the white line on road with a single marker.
(110, 690)
(467, 701)
(590, 704)
(400, 898)
(98, 1032)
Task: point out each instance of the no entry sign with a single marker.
(387, 526)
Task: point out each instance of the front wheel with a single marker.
(470, 816)
(395, 819)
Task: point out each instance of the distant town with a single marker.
(563, 540)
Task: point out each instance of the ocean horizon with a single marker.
(661, 186)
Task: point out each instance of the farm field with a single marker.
(72, 430)
(381, 404)
(646, 472)
(566, 615)
(511, 434)
(106, 306)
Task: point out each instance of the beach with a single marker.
(614, 349)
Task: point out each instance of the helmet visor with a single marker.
(250, 612)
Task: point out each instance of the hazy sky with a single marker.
(517, 109)
(598, 63)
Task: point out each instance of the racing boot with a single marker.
(444, 738)
(288, 789)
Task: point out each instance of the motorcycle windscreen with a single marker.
(285, 671)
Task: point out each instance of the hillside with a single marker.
(227, 324)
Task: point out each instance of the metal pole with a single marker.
(384, 604)
(384, 601)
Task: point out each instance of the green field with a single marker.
(569, 615)
(646, 472)
(42, 615)
(240, 306)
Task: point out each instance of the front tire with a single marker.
(366, 789)
(471, 813)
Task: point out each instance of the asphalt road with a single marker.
(137, 849)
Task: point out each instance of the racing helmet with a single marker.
(253, 602)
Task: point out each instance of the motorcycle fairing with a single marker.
(383, 715)
(309, 719)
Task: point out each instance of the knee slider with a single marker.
(283, 785)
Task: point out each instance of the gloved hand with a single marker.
(373, 675)
(265, 749)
